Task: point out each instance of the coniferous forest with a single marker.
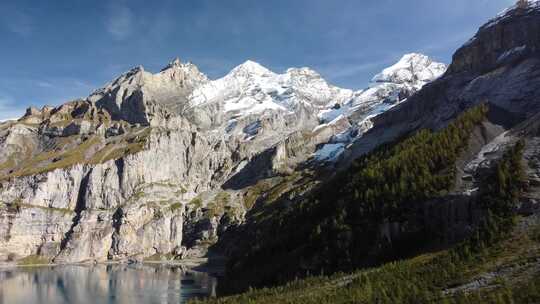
(384, 185)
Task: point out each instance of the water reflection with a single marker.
(112, 284)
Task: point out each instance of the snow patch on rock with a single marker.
(329, 152)
(388, 89)
(511, 52)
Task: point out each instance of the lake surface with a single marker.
(109, 284)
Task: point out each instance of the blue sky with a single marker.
(54, 51)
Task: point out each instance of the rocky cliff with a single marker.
(158, 166)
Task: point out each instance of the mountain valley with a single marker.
(423, 187)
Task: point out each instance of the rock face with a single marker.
(121, 208)
(160, 165)
(134, 95)
(506, 38)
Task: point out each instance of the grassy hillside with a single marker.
(66, 151)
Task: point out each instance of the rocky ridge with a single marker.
(160, 165)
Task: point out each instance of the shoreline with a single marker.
(214, 265)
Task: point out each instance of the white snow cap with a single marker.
(251, 68)
(251, 88)
(415, 69)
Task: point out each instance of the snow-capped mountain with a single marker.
(392, 86)
(251, 93)
(253, 89)
(389, 88)
(175, 136)
(413, 69)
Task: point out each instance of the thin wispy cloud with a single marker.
(345, 70)
(16, 20)
(5, 102)
(159, 26)
(114, 70)
(120, 21)
(449, 42)
(17, 93)
(9, 109)
(44, 84)
(78, 88)
(357, 68)
(82, 84)
(213, 67)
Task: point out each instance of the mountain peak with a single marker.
(522, 7)
(250, 68)
(413, 57)
(414, 68)
(135, 70)
(509, 37)
(175, 63)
